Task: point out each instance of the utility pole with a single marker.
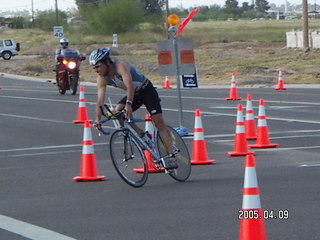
(167, 14)
(57, 20)
(32, 14)
(305, 24)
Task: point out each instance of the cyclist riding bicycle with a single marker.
(139, 91)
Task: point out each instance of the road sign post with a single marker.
(58, 31)
(176, 57)
(115, 40)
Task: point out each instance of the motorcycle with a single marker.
(67, 70)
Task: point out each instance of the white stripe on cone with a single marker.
(87, 136)
(149, 126)
(87, 149)
(198, 122)
(251, 202)
(250, 180)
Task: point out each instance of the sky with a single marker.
(194, 3)
(69, 4)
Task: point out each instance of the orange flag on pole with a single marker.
(186, 20)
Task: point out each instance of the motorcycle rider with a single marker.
(63, 54)
(64, 43)
(139, 91)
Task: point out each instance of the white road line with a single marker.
(30, 231)
(40, 148)
(267, 101)
(301, 136)
(268, 118)
(46, 99)
(39, 99)
(32, 118)
(46, 147)
(40, 154)
(286, 149)
(286, 107)
(310, 165)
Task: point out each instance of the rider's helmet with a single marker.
(64, 42)
(100, 54)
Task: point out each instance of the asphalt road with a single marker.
(40, 152)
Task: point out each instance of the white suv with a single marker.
(8, 48)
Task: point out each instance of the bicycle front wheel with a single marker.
(128, 158)
(182, 155)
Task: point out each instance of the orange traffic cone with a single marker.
(280, 81)
(82, 109)
(166, 82)
(250, 125)
(251, 215)
(240, 142)
(233, 90)
(151, 169)
(199, 147)
(263, 140)
(88, 169)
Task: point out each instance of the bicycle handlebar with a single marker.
(114, 116)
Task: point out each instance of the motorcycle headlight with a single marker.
(72, 65)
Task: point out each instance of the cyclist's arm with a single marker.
(101, 88)
(124, 70)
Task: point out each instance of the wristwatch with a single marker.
(129, 102)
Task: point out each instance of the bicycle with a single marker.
(127, 150)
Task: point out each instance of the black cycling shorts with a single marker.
(147, 96)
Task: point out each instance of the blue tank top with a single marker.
(137, 78)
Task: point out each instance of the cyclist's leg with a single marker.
(167, 139)
(163, 130)
(150, 98)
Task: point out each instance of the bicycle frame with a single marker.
(137, 138)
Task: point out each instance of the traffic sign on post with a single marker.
(115, 40)
(190, 80)
(166, 57)
(58, 31)
(176, 57)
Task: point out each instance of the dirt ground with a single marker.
(254, 63)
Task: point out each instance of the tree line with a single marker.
(109, 16)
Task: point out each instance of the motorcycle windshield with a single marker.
(70, 53)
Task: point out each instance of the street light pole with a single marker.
(305, 24)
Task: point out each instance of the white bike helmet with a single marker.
(100, 54)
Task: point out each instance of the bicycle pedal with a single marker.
(168, 171)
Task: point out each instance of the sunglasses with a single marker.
(97, 66)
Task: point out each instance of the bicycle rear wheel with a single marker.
(127, 156)
(182, 156)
